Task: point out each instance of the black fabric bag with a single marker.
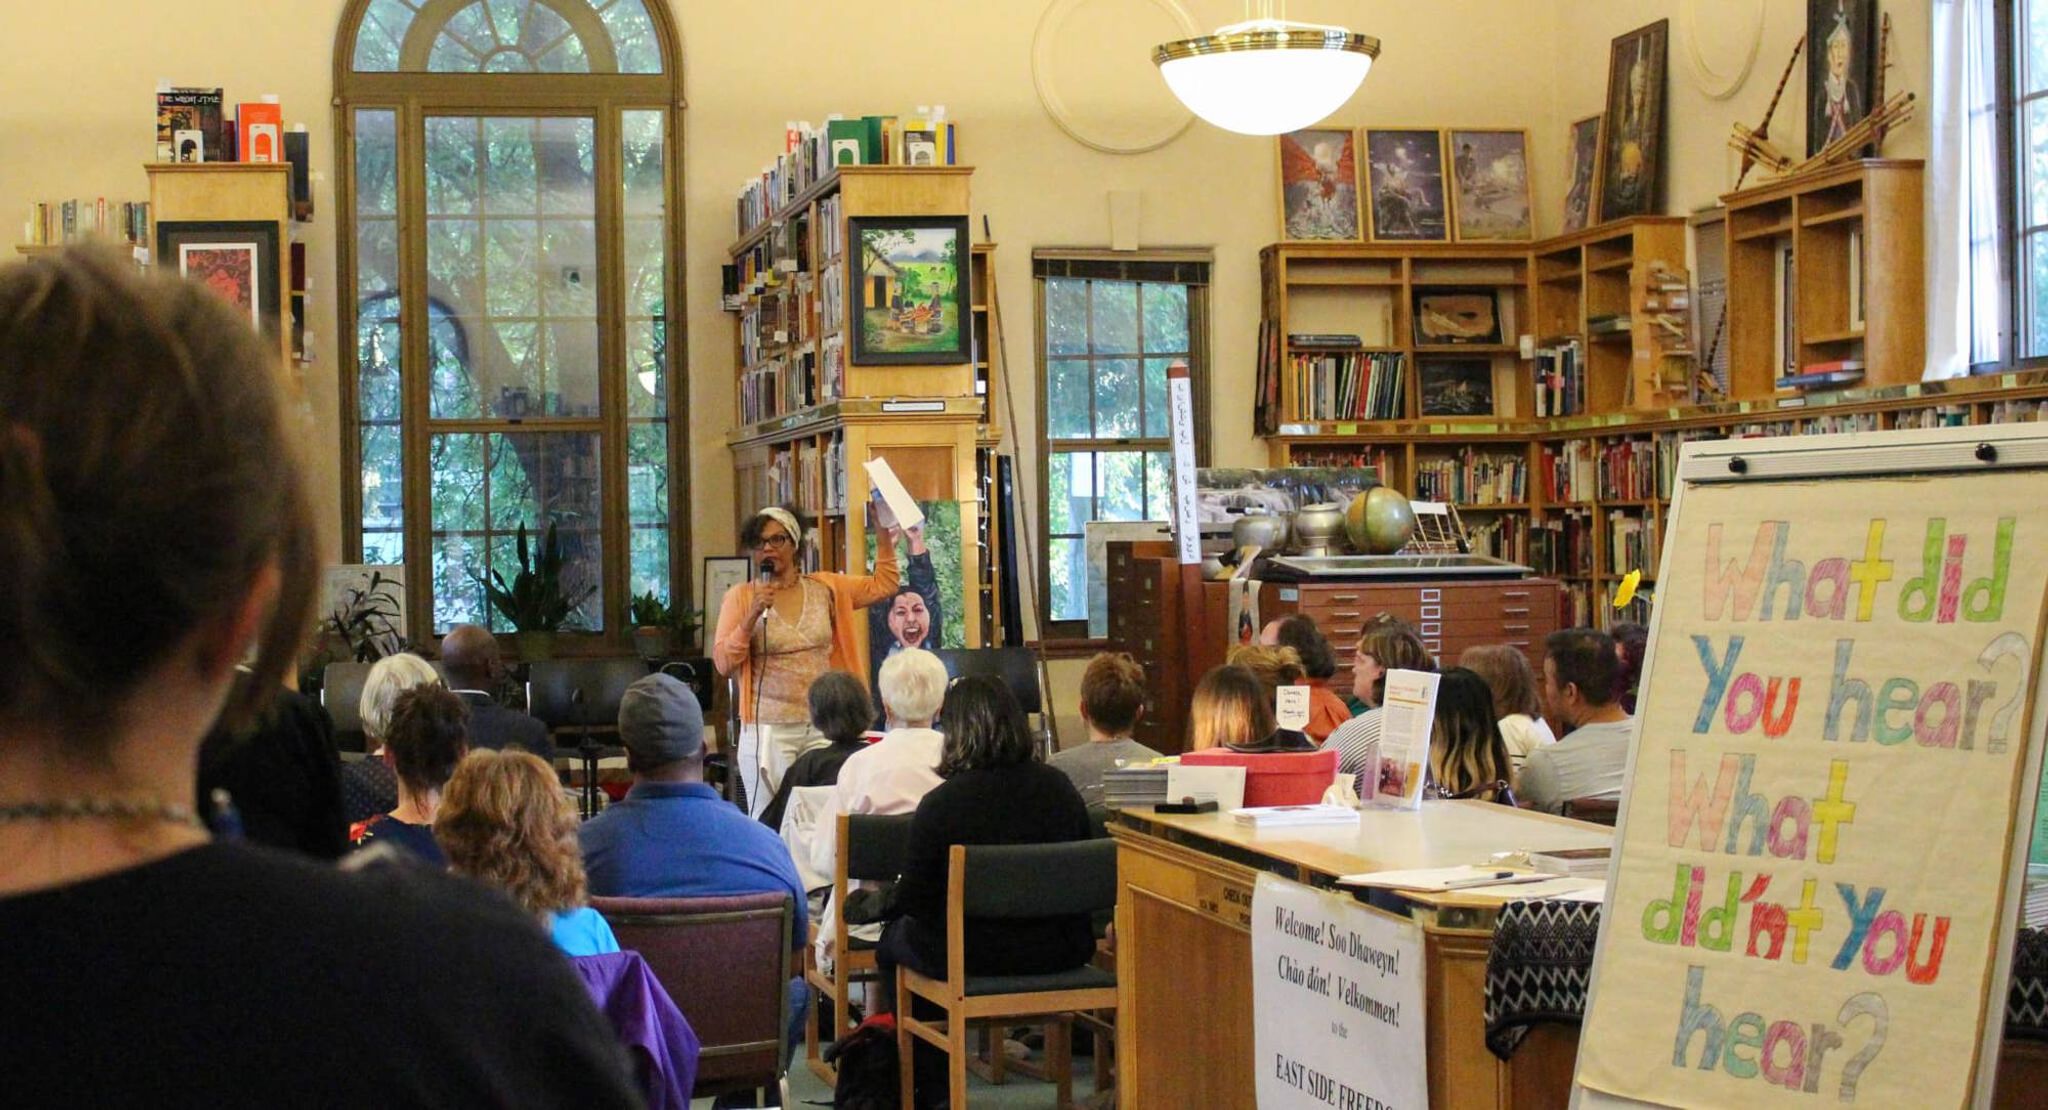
(866, 1058)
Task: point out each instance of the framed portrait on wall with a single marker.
(1632, 128)
(1841, 67)
(1582, 159)
(236, 259)
(722, 573)
(1490, 185)
(1404, 172)
(909, 282)
(1319, 186)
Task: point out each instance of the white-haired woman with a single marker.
(369, 786)
(891, 775)
(779, 634)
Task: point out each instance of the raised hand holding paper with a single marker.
(890, 488)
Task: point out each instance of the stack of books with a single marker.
(1143, 785)
(1572, 861)
(1274, 817)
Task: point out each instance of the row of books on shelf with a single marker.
(2004, 412)
(1562, 545)
(808, 471)
(71, 221)
(1377, 459)
(1632, 543)
(1568, 471)
(1349, 386)
(1471, 478)
(1627, 470)
(810, 154)
(797, 381)
(1560, 379)
(1500, 536)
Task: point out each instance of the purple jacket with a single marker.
(663, 1046)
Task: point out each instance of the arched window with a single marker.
(510, 185)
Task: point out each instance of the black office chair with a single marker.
(580, 697)
(341, 694)
(1017, 667)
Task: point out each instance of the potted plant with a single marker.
(362, 626)
(659, 630)
(534, 600)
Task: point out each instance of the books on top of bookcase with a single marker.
(53, 223)
(811, 154)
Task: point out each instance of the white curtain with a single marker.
(1963, 237)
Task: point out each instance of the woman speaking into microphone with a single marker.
(783, 631)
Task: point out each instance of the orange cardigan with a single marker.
(732, 647)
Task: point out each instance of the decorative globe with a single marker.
(1379, 521)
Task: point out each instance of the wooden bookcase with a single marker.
(1587, 275)
(229, 191)
(1873, 206)
(928, 421)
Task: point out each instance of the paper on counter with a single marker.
(1223, 785)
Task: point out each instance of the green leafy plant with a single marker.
(650, 611)
(366, 620)
(534, 600)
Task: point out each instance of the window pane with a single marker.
(1070, 493)
(520, 332)
(1066, 401)
(1116, 398)
(2035, 310)
(1166, 317)
(1158, 485)
(1069, 593)
(486, 485)
(384, 27)
(1120, 486)
(378, 347)
(2034, 153)
(633, 38)
(645, 261)
(2035, 49)
(1157, 418)
(383, 492)
(1116, 318)
(647, 474)
(650, 563)
(1066, 316)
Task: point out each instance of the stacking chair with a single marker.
(1599, 811)
(869, 848)
(341, 694)
(727, 962)
(1018, 880)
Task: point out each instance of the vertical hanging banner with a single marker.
(1337, 1013)
(1813, 899)
(1180, 411)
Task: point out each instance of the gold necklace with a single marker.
(101, 809)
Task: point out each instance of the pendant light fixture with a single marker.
(1266, 75)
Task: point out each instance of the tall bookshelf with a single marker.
(807, 416)
(230, 191)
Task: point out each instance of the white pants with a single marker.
(765, 753)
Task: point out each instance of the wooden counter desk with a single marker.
(1184, 968)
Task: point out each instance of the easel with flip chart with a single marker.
(1817, 872)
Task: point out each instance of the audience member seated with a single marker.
(470, 655)
(368, 786)
(1112, 700)
(672, 836)
(508, 824)
(1467, 758)
(1274, 667)
(889, 776)
(1513, 683)
(1326, 711)
(995, 792)
(1387, 644)
(1590, 760)
(1631, 643)
(153, 965)
(282, 777)
(425, 742)
(1230, 709)
(840, 711)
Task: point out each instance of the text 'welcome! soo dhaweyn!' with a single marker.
(1811, 872)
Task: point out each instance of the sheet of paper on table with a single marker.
(1442, 878)
(1222, 785)
(1570, 888)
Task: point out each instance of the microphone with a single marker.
(769, 569)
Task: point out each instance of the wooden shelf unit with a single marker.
(1875, 203)
(224, 191)
(1588, 274)
(929, 421)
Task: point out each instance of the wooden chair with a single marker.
(870, 848)
(1016, 881)
(727, 962)
(1599, 811)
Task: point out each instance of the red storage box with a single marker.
(1275, 778)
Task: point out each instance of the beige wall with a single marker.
(75, 120)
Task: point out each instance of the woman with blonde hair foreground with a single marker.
(154, 532)
(505, 821)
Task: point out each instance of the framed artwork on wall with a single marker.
(1404, 173)
(1452, 316)
(1841, 67)
(721, 574)
(237, 259)
(1319, 186)
(1582, 157)
(1456, 386)
(1632, 128)
(1490, 185)
(909, 281)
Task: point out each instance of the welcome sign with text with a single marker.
(1812, 869)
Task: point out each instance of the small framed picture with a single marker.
(1404, 172)
(1456, 386)
(909, 284)
(1490, 178)
(237, 259)
(1446, 317)
(1319, 186)
(1841, 68)
(1632, 128)
(721, 574)
(1582, 155)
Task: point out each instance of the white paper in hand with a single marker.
(908, 515)
(1290, 707)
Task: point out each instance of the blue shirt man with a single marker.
(673, 836)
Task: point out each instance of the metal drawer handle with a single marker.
(1519, 611)
(1342, 597)
(1514, 628)
(1514, 593)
